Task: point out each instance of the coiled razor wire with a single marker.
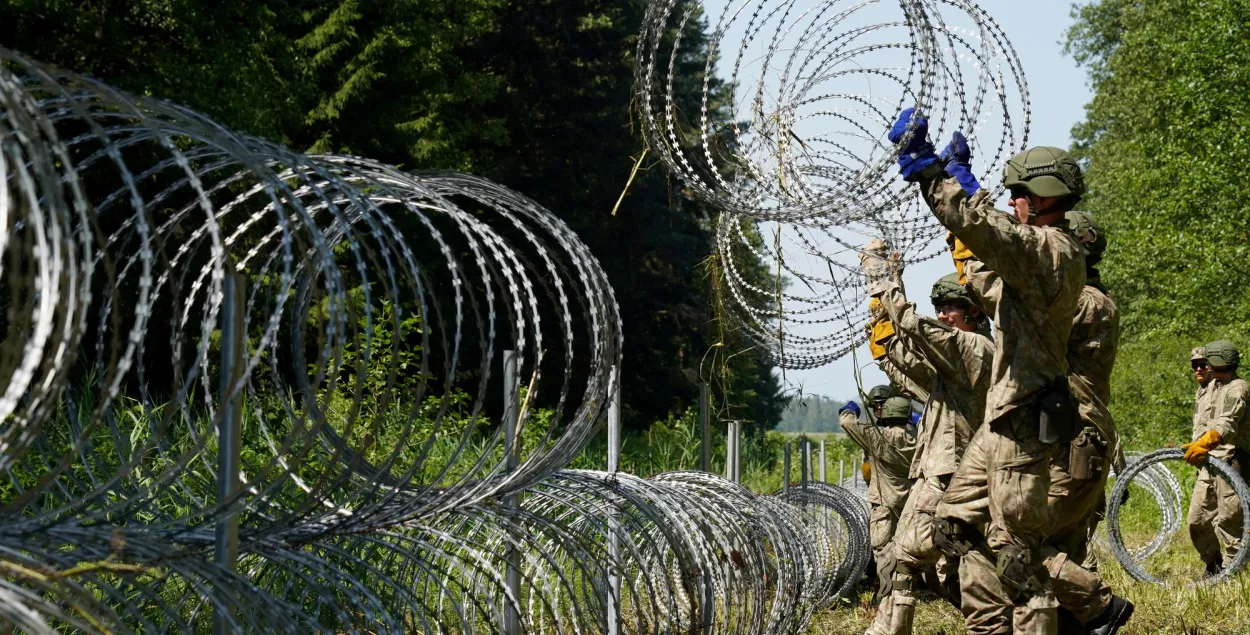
(1131, 563)
(376, 493)
(791, 148)
(1158, 481)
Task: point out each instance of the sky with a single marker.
(1058, 91)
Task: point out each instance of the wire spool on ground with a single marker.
(1163, 487)
(855, 541)
(1131, 564)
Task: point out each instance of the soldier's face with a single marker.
(956, 316)
(1020, 200)
(1202, 372)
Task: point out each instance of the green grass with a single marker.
(1220, 610)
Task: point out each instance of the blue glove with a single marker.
(850, 407)
(918, 153)
(915, 418)
(957, 158)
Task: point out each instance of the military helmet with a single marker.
(1045, 171)
(1089, 233)
(896, 408)
(1198, 354)
(1223, 354)
(880, 393)
(948, 291)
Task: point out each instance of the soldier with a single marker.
(891, 443)
(1028, 273)
(955, 347)
(1214, 509)
(1079, 476)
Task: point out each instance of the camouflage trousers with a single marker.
(915, 554)
(883, 524)
(1002, 485)
(1074, 508)
(1214, 517)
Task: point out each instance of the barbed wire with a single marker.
(378, 490)
(791, 150)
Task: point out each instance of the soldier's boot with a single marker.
(1214, 567)
(904, 609)
(1116, 615)
(887, 566)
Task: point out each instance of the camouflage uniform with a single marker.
(1029, 279)
(1214, 509)
(906, 369)
(962, 362)
(890, 448)
(1075, 502)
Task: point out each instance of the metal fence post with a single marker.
(805, 462)
(614, 464)
(785, 470)
(229, 431)
(841, 471)
(737, 477)
(705, 427)
(822, 462)
(512, 448)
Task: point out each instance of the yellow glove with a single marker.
(866, 471)
(1196, 452)
(878, 334)
(960, 254)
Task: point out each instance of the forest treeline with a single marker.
(534, 95)
(811, 413)
(1166, 142)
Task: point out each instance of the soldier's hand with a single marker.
(865, 470)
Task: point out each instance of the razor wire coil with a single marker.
(377, 492)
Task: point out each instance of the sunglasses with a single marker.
(1017, 192)
(1197, 365)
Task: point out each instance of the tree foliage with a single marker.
(1165, 142)
(534, 95)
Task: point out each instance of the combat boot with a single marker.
(1116, 615)
(1213, 568)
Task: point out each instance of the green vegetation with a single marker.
(532, 95)
(1165, 140)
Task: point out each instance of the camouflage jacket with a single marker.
(1091, 355)
(1028, 278)
(1201, 403)
(907, 369)
(962, 363)
(1226, 414)
(890, 449)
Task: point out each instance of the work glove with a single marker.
(873, 263)
(850, 407)
(865, 470)
(915, 418)
(880, 329)
(960, 254)
(957, 159)
(1196, 452)
(918, 153)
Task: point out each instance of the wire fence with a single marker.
(251, 390)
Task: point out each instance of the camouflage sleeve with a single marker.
(1227, 411)
(906, 368)
(873, 439)
(935, 343)
(1022, 254)
(902, 444)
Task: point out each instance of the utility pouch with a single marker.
(1085, 454)
(1056, 413)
